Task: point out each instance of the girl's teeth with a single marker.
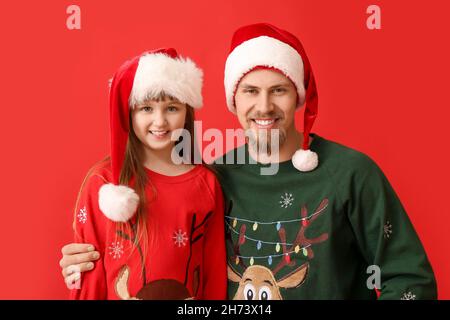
(264, 122)
(159, 133)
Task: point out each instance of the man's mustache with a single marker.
(263, 115)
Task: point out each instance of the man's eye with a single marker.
(250, 91)
(279, 90)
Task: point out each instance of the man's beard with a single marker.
(266, 142)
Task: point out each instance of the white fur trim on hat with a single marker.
(118, 203)
(179, 78)
(305, 160)
(263, 51)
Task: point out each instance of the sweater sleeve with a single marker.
(387, 238)
(90, 227)
(214, 257)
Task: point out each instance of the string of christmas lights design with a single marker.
(269, 257)
(305, 222)
(256, 223)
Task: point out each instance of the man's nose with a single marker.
(264, 104)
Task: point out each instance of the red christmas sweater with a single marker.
(185, 258)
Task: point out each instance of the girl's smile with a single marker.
(155, 120)
(159, 134)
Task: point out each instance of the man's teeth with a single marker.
(265, 122)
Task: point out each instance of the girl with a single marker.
(158, 225)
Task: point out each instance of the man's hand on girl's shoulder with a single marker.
(77, 258)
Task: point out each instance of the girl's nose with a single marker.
(159, 119)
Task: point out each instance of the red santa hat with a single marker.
(264, 45)
(143, 77)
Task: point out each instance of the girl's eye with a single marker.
(146, 109)
(172, 109)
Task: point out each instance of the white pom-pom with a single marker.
(305, 160)
(118, 203)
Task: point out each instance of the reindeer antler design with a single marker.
(300, 239)
(241, 238)
(133, 239)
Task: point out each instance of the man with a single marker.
(327, 224)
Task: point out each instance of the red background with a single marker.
(383, 92)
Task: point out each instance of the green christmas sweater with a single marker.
(337, 232)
